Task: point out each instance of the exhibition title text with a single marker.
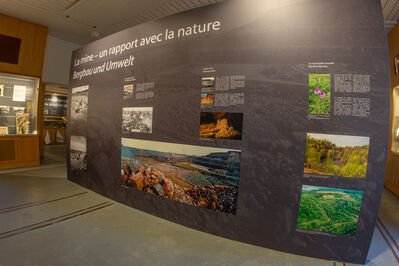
(122, 48)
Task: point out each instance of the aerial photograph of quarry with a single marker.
(196, 175)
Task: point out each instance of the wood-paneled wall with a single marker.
(33, 45)
(392, 171)
(19, 151)
(30, 63)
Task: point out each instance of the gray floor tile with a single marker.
(119, 235)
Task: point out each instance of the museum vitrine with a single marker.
(19, 141)
(395, 135)
(18, 104)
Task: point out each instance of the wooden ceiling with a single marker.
(74, 20)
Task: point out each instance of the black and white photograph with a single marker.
(4, 109)
(79, 103)
(128, 91)
(18, 110)
(78, 153)
(208, 82)
(137, 119)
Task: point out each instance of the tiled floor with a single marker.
(47, 220)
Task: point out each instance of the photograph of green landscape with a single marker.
(319, 94)
(200, 176)
(330, 210)
(336, 155)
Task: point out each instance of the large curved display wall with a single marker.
(261, 121)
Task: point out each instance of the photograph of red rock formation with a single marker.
(200, 176)
(207, 98)
(221, 125)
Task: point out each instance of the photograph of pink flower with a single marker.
(319, 94)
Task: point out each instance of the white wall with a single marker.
(57, 61)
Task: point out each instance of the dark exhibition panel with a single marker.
(9, 47)
(259, 121)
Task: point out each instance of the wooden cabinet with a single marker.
(392, 170)
(19, 151)
(392, 174)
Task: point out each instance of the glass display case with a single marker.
(395, 135)
(18, 104)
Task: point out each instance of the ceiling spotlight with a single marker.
(94, 33)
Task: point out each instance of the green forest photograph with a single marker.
(336, 155)
(319, 94)
(329, 210)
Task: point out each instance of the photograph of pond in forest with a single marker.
(196, 175)
(319, 94)
(330, 210)
(336, 155)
